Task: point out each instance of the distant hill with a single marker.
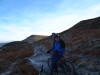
(34, 38)
(1, 44)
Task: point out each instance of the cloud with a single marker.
(54, 22)
(15, 33)
(62, 22)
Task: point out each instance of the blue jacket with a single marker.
(57, 47)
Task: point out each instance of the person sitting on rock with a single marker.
(57, 50)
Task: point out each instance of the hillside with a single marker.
(13, 59)
(34, 38)
(82, 46)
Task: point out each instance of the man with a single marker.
(57, 50)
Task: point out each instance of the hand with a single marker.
(55, 52)
(48, 51)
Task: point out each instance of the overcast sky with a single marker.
(22, 18)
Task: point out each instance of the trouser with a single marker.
(55, 59)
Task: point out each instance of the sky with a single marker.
(22, 18)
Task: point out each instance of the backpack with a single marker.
(62, 43)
